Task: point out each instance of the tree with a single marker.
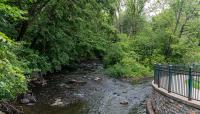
(132, 18)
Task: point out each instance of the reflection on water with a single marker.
(76, 108)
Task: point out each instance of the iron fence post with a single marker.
(190, 84)
(159, 74)
(170, 78)
(155, 74)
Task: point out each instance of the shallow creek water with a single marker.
(102, 96)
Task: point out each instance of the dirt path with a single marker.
(88, 90)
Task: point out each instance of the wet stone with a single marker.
(117, 94)
(24, 101)
(30, 97)
(73, 81)
(84, 76)
(114, 93)
(79, 95)
(30, 104)
(62, 85)
(65, 85)
(124, 102)
(58, 102)
(135, 97)
(97, 79)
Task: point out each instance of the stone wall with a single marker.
(163, 104)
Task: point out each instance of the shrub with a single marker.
(35, 61)
(121, 60)
(12, 79)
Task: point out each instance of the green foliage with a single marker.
(195, 83)
(172, 36)
(8, 10)
(12, 79)
(34, 61)
(9, 14)
(65, 36)
(186, 51)
(174, 30)
(48, 34)
(121, 60)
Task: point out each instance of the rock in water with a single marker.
(25, 101)
(30, 104)
(39, 82)
(84, 76)
(124, 102)
(76, 82)
(28, 98)
(58, 102)
(79, 95)
(124, 92)
(97, 79)
(65, 85)
(62, 85)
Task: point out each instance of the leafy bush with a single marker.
(121, 60)
(50, 36)
(128, 68)
(35, 61)
(186, 51)
(12, 79)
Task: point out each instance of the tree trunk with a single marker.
(22, 31)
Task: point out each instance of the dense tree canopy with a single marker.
(46, 35)
(170, 36)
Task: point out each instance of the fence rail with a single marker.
(183, 80)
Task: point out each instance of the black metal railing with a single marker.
(183, 80)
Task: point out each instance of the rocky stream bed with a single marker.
(87, 90)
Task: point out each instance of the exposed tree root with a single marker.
(10, 109)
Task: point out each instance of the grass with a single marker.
(195, 84)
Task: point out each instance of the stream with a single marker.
(96, 94)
